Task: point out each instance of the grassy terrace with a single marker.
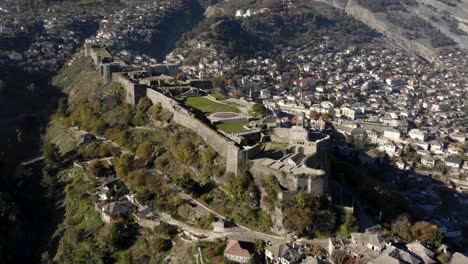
(233, 128)
(279, 145)
(102, 52)
(218, 96)
(208, 107)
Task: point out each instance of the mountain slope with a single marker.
(422, 26)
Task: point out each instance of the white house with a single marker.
(436, 147)
(417, 134)
(391, 133)
(453, 162)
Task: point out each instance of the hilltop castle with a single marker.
(302, 167)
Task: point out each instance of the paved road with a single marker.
(236, 231)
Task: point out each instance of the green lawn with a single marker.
(208, 107)
(233, 128)
(102, 52)
(218, 96)
(279, 145)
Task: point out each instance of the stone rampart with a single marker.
(135, 91)
(156, 97)
(183, 117)
(223, 146)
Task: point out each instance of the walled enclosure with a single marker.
(183, 117)
(234, 155)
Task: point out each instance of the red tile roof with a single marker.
(237, 248)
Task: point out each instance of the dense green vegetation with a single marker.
(175, 151)
(259, 110)
(309, 215)
(84, 238)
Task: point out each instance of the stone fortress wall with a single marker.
(181, 115)
(236, 156)
(218, 142)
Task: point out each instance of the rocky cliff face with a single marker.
(378, 22)
(341, 4)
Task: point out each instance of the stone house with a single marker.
(393, 134)
(422, 252)
(436, 147)
(395, 255)
(111, 211)
(374, 242)
(427, 161)
(417, 134)
(284, 254)
(239, 251)
(453, 162)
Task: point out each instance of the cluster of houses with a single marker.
(45, 41)
(250, 12)
(284, 253)
(396, 101)
(54, 35)
(372, 247)
(368, 247)
(111, 196)
(133, 26)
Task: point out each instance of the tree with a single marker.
(350, 225)
(154, 111)
(314, 115)
(259, 110)
(361, 143)
(144, 105)
(161, 245)
(326, 117)
(124, 165)
(97, 168)
(401, 227)
(439, 166)
(51, 155)
(444, 258)
(323, 222)
(188, 184)
(118, 235)
(145, 150)
(62, 109)
(165, 229)
(208, 155)
(427, 232)
(299, 220)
